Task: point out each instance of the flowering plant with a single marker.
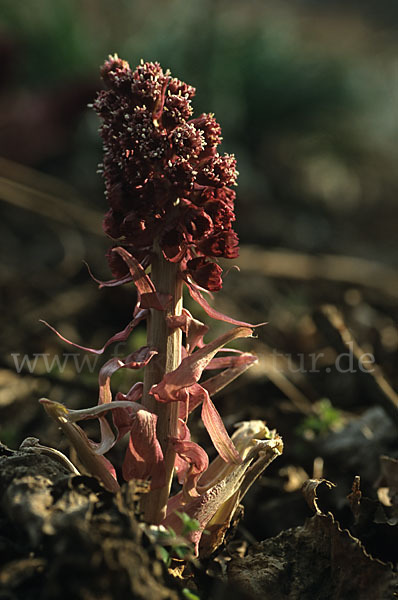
(171, 212)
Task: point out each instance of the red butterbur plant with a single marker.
(170, 218)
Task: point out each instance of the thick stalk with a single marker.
(168, 343)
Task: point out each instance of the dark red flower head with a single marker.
(165, 181)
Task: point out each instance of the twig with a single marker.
(45, 195)
(331, 323)
(344, 269)
(275, 373)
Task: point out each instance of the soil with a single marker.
(64, 536)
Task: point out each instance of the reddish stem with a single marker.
(168, 343)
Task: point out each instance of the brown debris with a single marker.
(309, 490)
(330, 321)
(317, 561)
(67, 537)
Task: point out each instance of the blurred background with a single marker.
(306, 94)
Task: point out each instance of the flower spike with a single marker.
(170, 218)
(164, 177)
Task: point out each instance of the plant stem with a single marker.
(168, 343)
